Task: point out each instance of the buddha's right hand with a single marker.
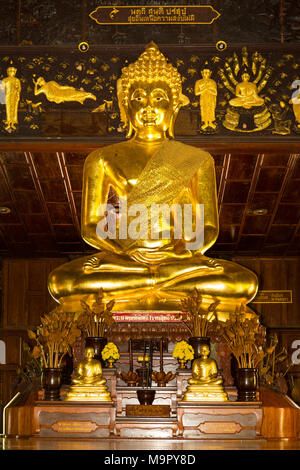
(148, 256)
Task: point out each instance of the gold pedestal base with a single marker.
(83, 393)
(205, 393)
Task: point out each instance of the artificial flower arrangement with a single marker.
(275, 364)
(244, 336)
(97, 319)
(110, 351)
(54, 337)
(196, 319)
(183, 351)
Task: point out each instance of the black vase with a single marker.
(98, 343)
(196, 342)
(247, 384)
(146, 396)
(51, 383)
(67, 369)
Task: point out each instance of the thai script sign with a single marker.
(166, 14)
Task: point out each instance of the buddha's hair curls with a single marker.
(151, 66)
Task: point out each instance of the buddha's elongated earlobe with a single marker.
(123, 112)
(172, 121)
(183, 101)
(129, 128)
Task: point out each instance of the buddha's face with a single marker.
(246, 77)
(11, 71)
(204, 350)
(150, 106)
(89, 353)
(206, 73)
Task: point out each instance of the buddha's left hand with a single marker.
(145, 255)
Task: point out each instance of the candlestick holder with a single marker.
(143, 371)
(131, 378)
(162, 378)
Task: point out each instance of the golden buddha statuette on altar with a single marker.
(205, 384)
(88, 383)
(149, 260)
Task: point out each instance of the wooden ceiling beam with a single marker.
(254, 179)
(288, 174)
(67, 183)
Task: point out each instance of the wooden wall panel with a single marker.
(14, 293)
(277, 274)
(25, 293)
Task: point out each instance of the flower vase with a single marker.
(247, 384)
(98, 343)
(146, 396)
(51, 383)
(182, 363)
(111, 363)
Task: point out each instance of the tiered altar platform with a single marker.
(272, 416)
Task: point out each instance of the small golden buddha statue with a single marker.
(12, 97)
(206, 88)
(205, 384)
(246, 94)
(156, 270)
(87, 382)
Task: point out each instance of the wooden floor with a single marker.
(148, 444)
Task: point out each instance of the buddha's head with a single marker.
(206, 73)
(11, 71)
(204, 351)
(89, 353)
(150, 93)
(245, 77)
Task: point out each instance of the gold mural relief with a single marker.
(242, 92)
(246, 112)
(295, 101)
(206, 88)
(60, 93)
(12, 97)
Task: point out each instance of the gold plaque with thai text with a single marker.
(74, 427)
(273, 297)
(158, 14)
(220, 427)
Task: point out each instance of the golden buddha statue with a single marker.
(87, 382)
(60, 93)
(205, 384)
(156, 270)
(12, 97)
(295, 101)
(206, 88)
(246, 94)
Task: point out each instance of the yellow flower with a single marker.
(110, 351)
(183, 350)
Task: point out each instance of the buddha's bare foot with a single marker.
(207, 264)
(213, 264)
(92, 264)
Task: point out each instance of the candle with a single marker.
(143, 366)
(161, 355)
(130, 356)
